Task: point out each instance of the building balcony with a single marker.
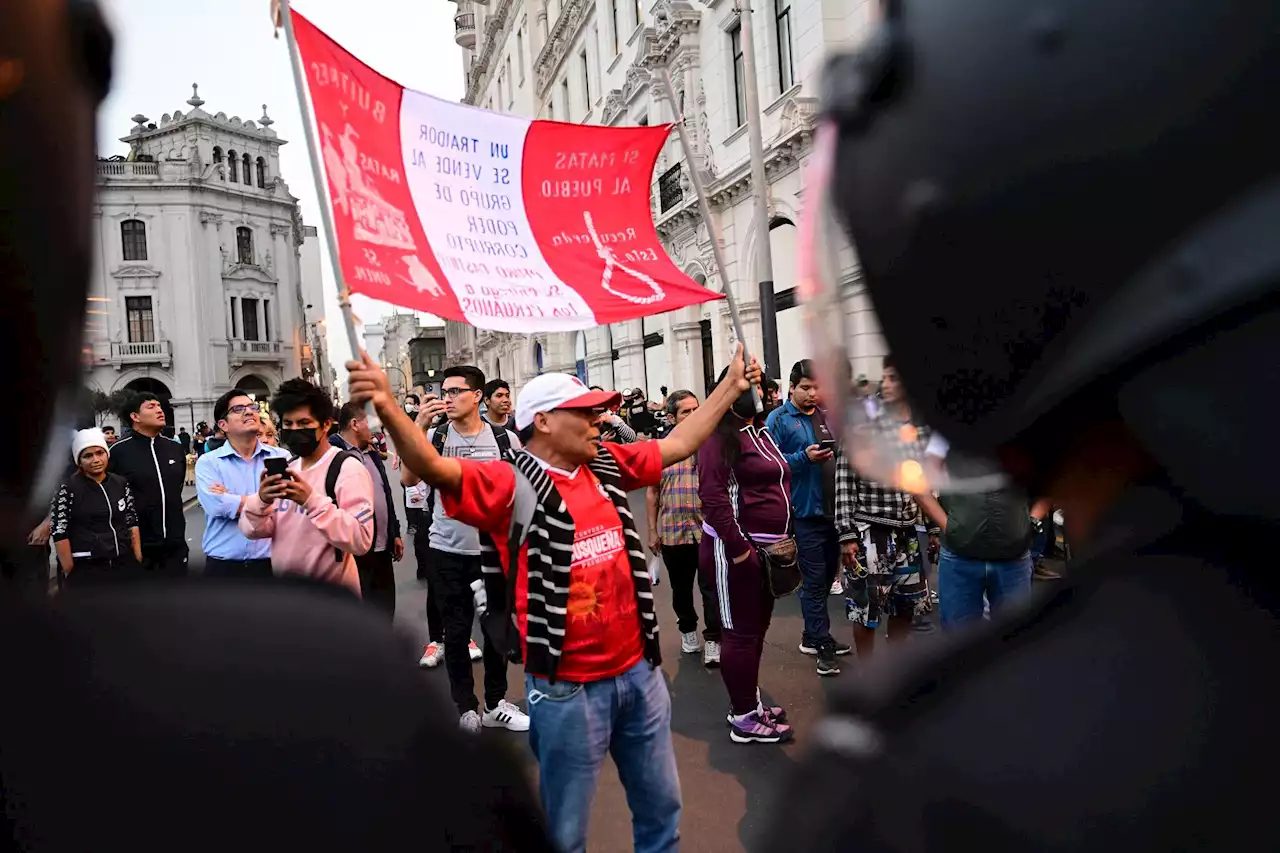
(127, 169)
(141, 352)
(241, 352)
(464, 29)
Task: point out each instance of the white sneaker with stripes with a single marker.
(506, 716)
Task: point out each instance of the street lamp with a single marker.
(404, 379)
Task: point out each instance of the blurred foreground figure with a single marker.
(170, 716)
(1103, 178)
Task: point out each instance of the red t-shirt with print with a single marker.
(602, 636)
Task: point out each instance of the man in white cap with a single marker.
(94, 526)
(580, 590)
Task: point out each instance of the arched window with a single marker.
(244, 245)
(231, 166)
(262, 173)
(217, 158)
(133, 235)
(537, 356)
(248, 171)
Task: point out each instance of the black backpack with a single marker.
(331, 484)
(500, 435)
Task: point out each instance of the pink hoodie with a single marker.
(303, 538)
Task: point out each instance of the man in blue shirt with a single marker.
(799, 426)
(225, 477)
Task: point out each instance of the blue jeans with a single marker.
(819, 552)
(571, 728)
(963, 582)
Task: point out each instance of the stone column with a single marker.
(262, 319)
(684, 356)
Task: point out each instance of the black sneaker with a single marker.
(842, 648)
(827, 660)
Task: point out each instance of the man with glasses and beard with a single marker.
(455, 555)
(225, 480)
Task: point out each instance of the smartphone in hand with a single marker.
(827, 444)
(276, 466)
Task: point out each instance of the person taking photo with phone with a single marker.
(799, 426)
(317, 521)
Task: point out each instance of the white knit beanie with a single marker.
(84, 439)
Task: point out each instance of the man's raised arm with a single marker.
(370, 384)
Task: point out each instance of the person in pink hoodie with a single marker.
(311, 534)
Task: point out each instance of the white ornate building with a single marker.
(197, 286)
(594, 62)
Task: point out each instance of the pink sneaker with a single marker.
(758, 728)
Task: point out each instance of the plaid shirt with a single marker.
(679, 508)
(858, 499)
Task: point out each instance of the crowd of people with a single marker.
(521, 515)
(748, 499)
(1121, 709)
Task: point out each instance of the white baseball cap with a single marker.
(552, 391)
(84, 439)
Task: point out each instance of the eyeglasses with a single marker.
(454, 392)
(245, 407)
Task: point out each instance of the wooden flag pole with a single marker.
(713, 229)
(322, 194)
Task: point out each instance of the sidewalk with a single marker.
(188, 496)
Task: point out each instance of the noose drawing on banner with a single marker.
(611, 261)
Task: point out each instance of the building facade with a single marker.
(598, 62)
(198, 286)
(316, 365)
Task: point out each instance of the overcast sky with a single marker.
(227, 46)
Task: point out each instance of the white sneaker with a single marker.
(689, 642)
(507, 716)
(474, 651)
(711, 654)
(432, 654)
(469, 722)
(836, 587)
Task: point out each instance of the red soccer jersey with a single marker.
(602, 636)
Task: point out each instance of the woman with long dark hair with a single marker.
(744, 485)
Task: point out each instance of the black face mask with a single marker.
(300, 442)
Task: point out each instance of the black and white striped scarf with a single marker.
(550, 555)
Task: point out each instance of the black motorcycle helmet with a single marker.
(1063, 208)
(55, 67)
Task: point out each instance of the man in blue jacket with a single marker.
(799, 426)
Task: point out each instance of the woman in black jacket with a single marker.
(94, 526)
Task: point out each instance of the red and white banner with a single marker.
(501, 222)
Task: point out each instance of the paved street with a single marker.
(726, 786)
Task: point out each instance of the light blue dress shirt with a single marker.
(239, 476)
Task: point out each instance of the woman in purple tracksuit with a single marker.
(744, 485)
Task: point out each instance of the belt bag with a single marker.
(781, 564)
